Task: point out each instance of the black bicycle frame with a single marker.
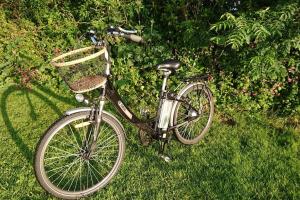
(114, 97)
(146, 125)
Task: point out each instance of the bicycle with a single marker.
(82, 151)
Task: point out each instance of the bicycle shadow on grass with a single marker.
(25, 150)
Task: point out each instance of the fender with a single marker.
(84, 109)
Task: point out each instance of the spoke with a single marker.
(200, 103)
(103, 153)
(83, 132)
(64, 166)
(90, 133)
(105, 140)
(90, 173)
(183, 111)
(73, 134)
(66, 172)
(104, 129)
(60, 150)
(61, 142)
(180, 125)
(191, 128)
(95, 174)
(107, 134)
(185, 129)
(107, 162)
(67, 140)
(99, 149)
(71, 181)
(104, 163)
(181, 115)
(80, 166)
(67, 156)
(51, 163)
(87, 177)
(107, 143)
(79, 169)
(61, 167)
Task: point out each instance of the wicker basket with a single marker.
(82, 69)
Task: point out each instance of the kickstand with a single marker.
(162, 147)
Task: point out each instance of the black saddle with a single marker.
(169, 65)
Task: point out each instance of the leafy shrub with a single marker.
(251, 53)
(264, 47)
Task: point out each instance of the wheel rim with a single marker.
(66, 165)
(199, 101)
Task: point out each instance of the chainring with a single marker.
(145, 138)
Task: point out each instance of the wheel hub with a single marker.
(193, 114)
(84, 153)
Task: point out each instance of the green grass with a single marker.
(257, 158)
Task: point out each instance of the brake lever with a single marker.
(114, 31)
(92, 36)
(127, 31)
(92, 33)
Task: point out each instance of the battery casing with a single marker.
(165, 114)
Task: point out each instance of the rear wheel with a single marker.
(194, 113)
(64, 165)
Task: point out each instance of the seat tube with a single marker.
(164, 84)
(162, 96)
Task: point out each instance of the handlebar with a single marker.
(134, 38)
(128, 34)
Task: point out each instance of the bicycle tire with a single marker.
(182, 135)
(50, 185)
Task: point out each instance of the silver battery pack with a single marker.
(165, 114)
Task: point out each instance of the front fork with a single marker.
(97, 118)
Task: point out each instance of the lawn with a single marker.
(254, 157)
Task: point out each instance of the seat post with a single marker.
(164, 84)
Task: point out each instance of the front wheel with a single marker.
(193, 113)
(64, 164)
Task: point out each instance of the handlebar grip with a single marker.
(135, 38)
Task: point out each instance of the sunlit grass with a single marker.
(256, 158)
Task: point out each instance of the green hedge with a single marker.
(251, 52)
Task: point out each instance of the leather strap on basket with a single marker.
(80, 60)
